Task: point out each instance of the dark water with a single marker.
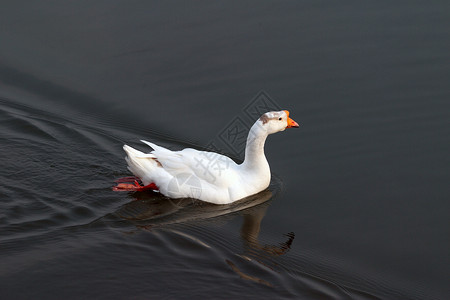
(359, 204)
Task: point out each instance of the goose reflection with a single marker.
(150, 211)
(153, 210)
(251, 227)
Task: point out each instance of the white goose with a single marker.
(207, 176)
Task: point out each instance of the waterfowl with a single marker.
(207, 176)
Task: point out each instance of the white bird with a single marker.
(204, 175)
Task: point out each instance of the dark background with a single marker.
(363, 184)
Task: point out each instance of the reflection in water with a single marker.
(250, 231)
(153, 210)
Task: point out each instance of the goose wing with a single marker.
(209, 167)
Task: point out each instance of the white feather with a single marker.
(208, 176)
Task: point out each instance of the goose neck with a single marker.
(254, 150)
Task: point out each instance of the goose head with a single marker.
(275, 121)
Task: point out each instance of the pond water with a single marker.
(358, 207)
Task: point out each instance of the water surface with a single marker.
(358, 205)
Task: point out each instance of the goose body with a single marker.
(210, 176)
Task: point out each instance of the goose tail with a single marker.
(141, 164)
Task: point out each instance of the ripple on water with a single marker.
(57, 181)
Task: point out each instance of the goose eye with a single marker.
(279, 119)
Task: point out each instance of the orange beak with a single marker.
(290, 123)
